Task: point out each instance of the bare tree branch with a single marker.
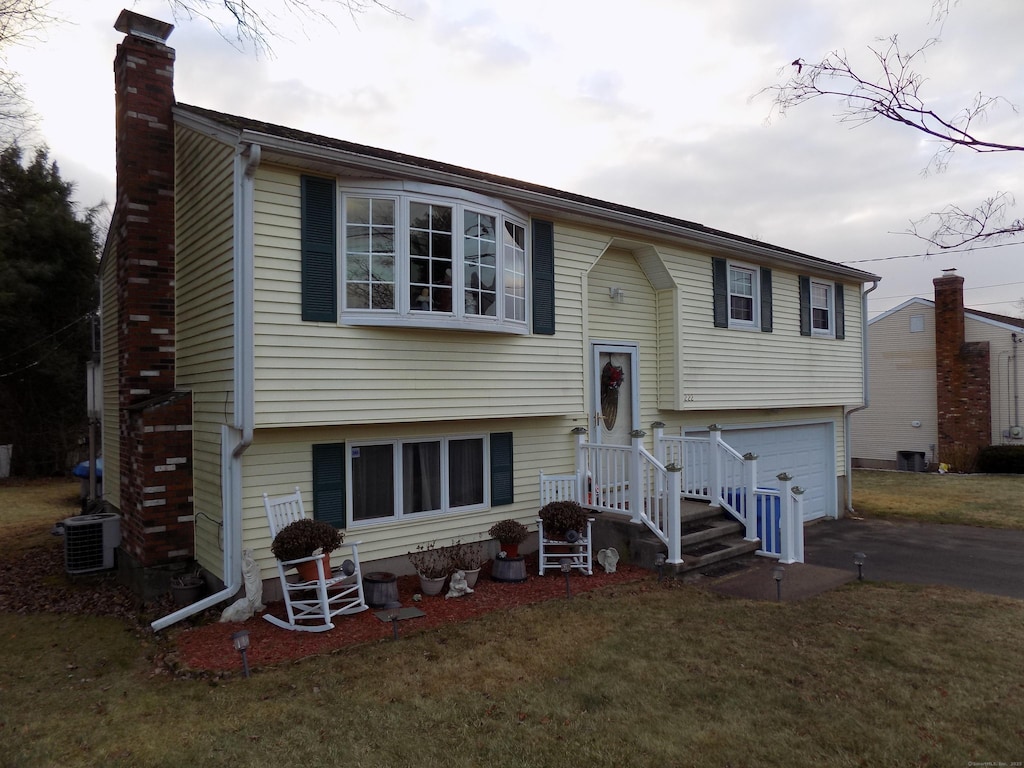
(955, 227)
(893, 90)
(21, 22)
(243, 23)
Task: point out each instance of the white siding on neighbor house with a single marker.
(280, 459)
(901, 387)
(1001, 350)
(110, 321)
(732, 368)
(326, 373)
(205, 319)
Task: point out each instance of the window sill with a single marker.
(435, 321)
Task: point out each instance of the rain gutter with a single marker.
(867, 396)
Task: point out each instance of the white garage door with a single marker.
(806, 451)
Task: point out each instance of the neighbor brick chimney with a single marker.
(962, 375)
(155, 427)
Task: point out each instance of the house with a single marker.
(944, 381)
(411, 343)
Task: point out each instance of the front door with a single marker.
(615, 401)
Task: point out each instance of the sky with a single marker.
(648, 103)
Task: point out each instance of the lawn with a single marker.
(990, 501)
(641, 674)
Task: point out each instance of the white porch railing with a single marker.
(630, 480)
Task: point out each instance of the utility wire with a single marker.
(930, 253)
(37, 342)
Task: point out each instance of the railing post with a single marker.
(715, 464)
(674, 526)
(659, 446)
(797, 544)
(636, 499)
(750, 484)
(582, 492)
(786, 517)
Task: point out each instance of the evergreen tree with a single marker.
(48, 296)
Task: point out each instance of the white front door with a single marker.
(615, 399)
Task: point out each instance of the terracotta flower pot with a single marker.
(307, 571)
(510, 550)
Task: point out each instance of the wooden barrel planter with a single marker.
(508, 569)
(380, 589)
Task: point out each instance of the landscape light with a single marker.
(858, 560)
(241, 642)
(777, 572)
(566, 564)
(659, 563)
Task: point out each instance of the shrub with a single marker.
(509, 532)
(560, 517)
(467, 557)
(303, 538)
(431, 561)
(1001, 459)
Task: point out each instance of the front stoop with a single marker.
(710, 536)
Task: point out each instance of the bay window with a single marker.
(439, 260)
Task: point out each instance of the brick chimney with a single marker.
(962, 375)
(155, 427)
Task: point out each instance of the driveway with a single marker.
(982, 559)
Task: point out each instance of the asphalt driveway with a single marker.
(983, 559)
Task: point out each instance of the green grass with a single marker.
(637, 675)
(991, 501)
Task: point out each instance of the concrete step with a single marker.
(709, 536)
(718, 551)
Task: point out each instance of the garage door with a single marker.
(806, 451)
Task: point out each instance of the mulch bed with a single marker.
(207, 648)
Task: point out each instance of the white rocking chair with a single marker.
(580, 552)
(331, 593)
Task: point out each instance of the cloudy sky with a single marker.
(641, 102)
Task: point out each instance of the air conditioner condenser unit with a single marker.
(89, 542)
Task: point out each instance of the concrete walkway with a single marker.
(981, 559)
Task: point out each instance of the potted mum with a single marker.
(510, 534)
(560, 517)
(305, 538)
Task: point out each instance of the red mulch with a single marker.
(208, 648)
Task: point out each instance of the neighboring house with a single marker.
(412, 343)
(942, 381)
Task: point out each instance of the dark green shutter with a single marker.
(766, 300)
(543, 277)
(720, 291)
(840, 312)
(502, 491)
(329, 483)
(319, 250)
(805, 305)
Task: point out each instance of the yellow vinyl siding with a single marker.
(901, 368)
(111, 427)
(328, 373)
(634, 320)
(205, 318)
(281, 459)
(732, 368)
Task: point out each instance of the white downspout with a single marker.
(237, 437)
(867, 395)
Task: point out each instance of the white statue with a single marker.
(607, 558)
(244, 607)
(459, 586)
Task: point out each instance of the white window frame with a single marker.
(830, 308)
(755, 296)
(398, 513)
(404, 313)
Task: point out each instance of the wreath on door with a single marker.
(611, 380)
